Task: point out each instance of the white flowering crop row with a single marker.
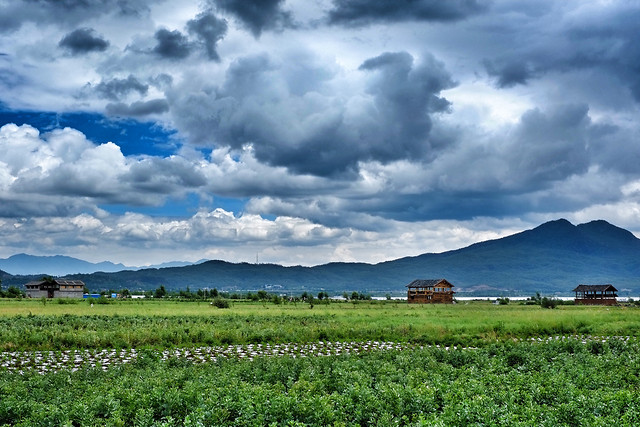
(53, 361)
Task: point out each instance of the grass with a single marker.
(28, 324)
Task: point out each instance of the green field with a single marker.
(29, 324)
(509, 373)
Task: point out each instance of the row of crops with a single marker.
(74, 360)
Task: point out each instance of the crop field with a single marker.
(165, 363)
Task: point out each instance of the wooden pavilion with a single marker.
(430, 291)
(596, 295)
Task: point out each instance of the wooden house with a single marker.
(596, 295)
(55, 288)
(430, 291)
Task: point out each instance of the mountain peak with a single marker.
(557, 224)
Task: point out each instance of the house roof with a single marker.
(56, 282)
(594, 288)
(69, 282)
(421, 283)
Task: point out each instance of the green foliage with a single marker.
(548, 302)
(11, 292)
(221, 302)
(67, 301)
(160, 292)
(165, 323)
(558, 383)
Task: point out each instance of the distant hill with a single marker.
(551, 258)
(59, 265)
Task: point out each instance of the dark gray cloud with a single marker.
(404, 96)
(312, 134)
(366, 12)
(258, 15)
(65, 13)
(171, 44)
(600, 42)
(549, 146)
(83, 40)
(509, 74)
(210, 30)
(115, 89)
(164, 175)
(137, 109)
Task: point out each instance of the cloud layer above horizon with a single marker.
(309, 132)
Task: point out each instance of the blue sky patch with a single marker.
(132, 136)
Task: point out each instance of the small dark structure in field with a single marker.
(596, 295)
(430, 291)
(55, 288)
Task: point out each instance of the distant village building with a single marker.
(596, 295)
(430, 291)
(55, 288)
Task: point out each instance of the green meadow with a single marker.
(32, 325)
(463, 364)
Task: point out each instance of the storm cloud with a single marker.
(209, 30)
(387, 121)
(171, 44)
(14, 13)
(83, 40)
(365, 12)
(138, 108)
(258, 15)
(116, 88)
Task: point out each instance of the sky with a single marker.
(302, 132)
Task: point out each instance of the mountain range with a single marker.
(552, 258)
(60, 265)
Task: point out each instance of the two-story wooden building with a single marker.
(430, 291)
(55, 288)
(596, 295)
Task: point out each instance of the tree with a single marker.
(161, 292)
(13, 292)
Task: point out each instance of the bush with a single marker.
(68, 301)
(221, 302)
(103, 300)
(548, 302)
